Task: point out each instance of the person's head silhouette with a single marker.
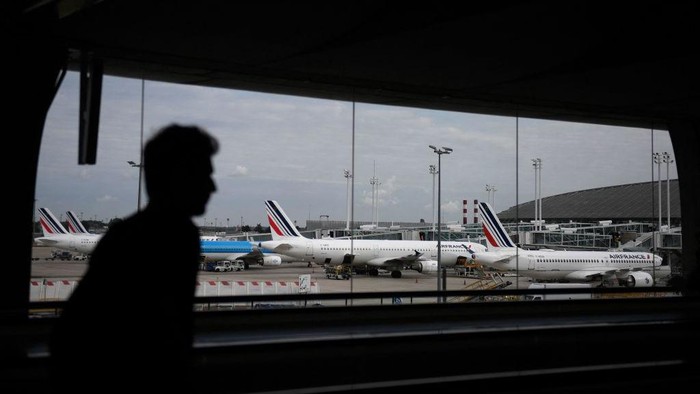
(177, 168)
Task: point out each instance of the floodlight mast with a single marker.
(441, 277)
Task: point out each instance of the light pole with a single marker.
(374, 181)
(440, 274)
(657, 159)
(227, 224)
(539, 191)
(376, 206)
(668, 160)
(491, 189)
(433, 170)
(347, 175)
(138, 199)
(537, 165)
(320, 219)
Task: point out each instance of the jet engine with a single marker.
(638, 279)
(425, 266)
(271, 260)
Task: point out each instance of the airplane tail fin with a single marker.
(494, 231)
(49, 224)
(280, 225)
(75, 226)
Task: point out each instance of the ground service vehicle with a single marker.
(338, 272)
(557, 296)
(61, 255)
(224, 266)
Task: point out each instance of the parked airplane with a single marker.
(629, 269)
(210, 238)
(392, 255)
(57, 236)
(78, 239)
(75, 226)
(244, 251)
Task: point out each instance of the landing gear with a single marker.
(396, 274)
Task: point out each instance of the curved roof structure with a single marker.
(634, 201)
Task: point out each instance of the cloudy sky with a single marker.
(295, 150)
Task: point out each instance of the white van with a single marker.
(559, 296)
(228, 266)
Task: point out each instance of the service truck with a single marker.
(559, 296)
(224, 266)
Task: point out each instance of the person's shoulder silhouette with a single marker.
(133, 309)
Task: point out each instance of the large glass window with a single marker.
(334, 165)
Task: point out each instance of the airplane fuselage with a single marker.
(74, 243)
(378, 253)
(240, 250)
(570, 265)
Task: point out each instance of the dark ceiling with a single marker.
(569, 60)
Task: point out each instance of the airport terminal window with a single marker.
(333, 165)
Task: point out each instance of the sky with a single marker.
(295, 150)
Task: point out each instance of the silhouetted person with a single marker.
(129, 322)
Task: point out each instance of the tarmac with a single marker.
(287, 272)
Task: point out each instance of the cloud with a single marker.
(107, 198)
(295, 149)
(239, 170)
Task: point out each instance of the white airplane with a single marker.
(391, 255)
(55, 235)
(629, 269)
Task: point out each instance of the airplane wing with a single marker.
(592, 273)
(504, 259)
(254, 256)
(398, 261)
(493, 258)
(47, 241)
(278, 248)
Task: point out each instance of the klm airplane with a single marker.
(243, 251)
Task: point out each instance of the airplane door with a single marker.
(309, 248)
(375, 250)
(531, 261)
